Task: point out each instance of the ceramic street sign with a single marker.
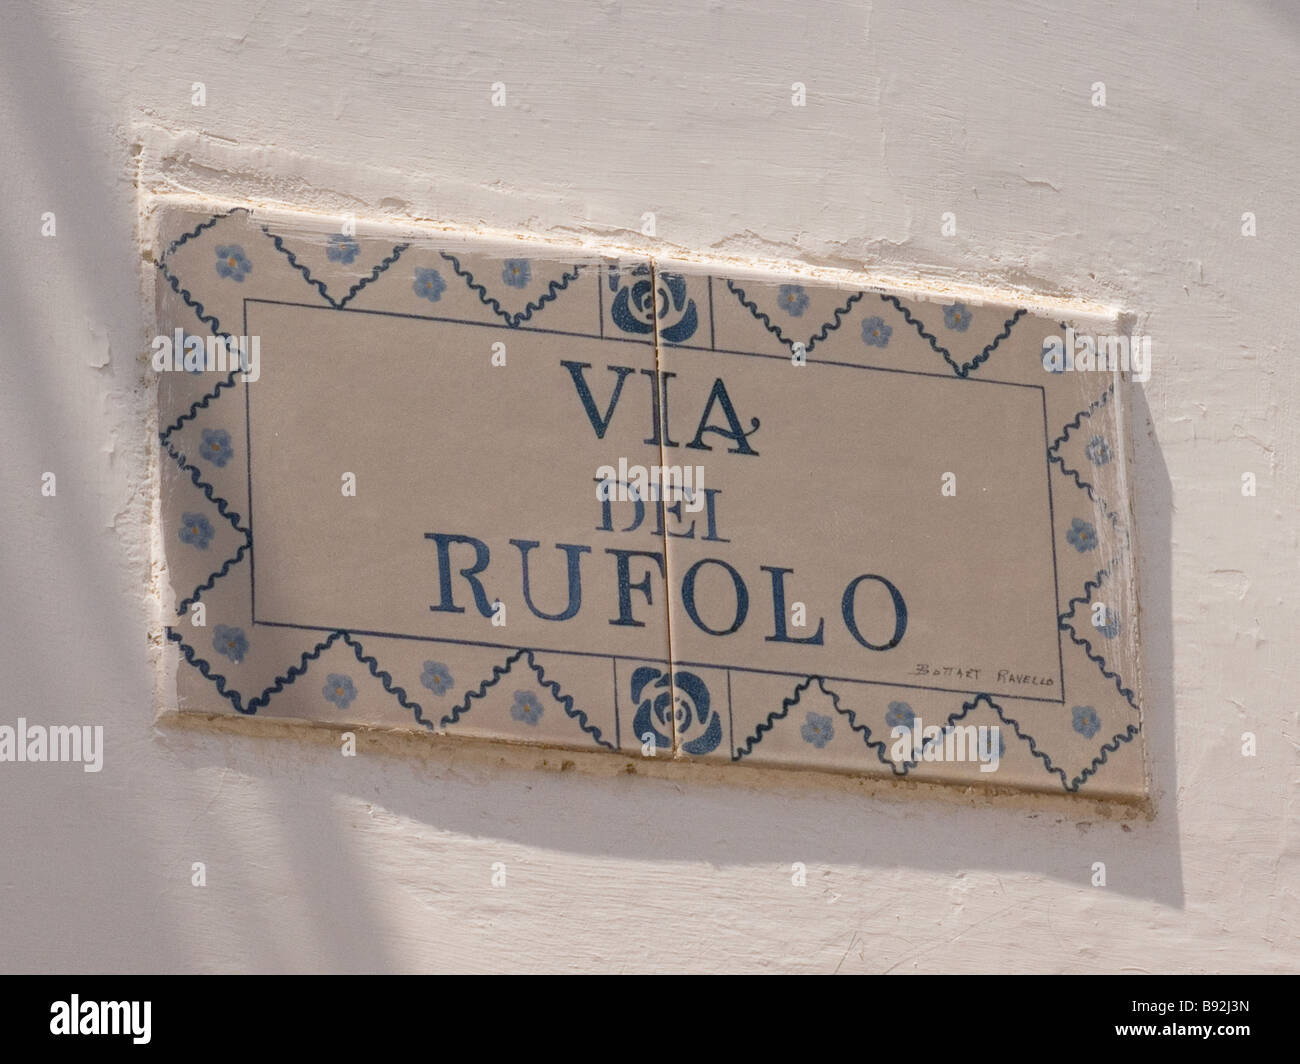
(523, 494)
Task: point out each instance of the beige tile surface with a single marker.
(350, 517)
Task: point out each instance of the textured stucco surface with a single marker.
(383, 862)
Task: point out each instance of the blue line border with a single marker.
(626, 657)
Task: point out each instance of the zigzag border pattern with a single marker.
(903, 769)
(197, 405)
(1065, 622)
(380, 268)
(1076, 422)
(493, 304)
(337, 304)
(1107, 748)
(384, 677)
(566, 701)
(761, 316)
(1054, 455)
(793, 700)
(777, 714)
(211, 581)
(278, 685)
(187, 237)
(876, 744)
(933, 341)
(499, 672)
(461, 708)
(222, 506)
(293, 261)
(209, 320)
(293, 673)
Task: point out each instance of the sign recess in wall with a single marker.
(516, 493)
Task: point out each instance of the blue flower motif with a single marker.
(517, 273)
(875, 333)
(957, 317)
(429, 284)
(216, 447)
(636, 306)
(793, 299)
(232, 262)
(1086, 721)
(339, 690)
(899, 715)
(1098, 451)
(1082, 536)
(675, 704)
(342, 248)
(1109, 626)
(436, 677)
(196, 529)
(527, 708)
(230, 641)
(817, 730)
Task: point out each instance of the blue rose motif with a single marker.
(638, 304)
(230, 641)
(339, 690)
(216, 447)
(817, 730)
(675, 703)
(232, 262)
(517, 273)
(957, 317)
(436, 677)
(1086, 721)
(793, 299)
(342, 248)
(899, 715)
(196, 529)
(1109, 626)
(429, 284)
(1098, 451)
(875, 333)
(527, 708)
(1081, 535)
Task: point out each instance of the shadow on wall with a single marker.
(73, 585)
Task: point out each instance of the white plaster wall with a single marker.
(682, 108)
